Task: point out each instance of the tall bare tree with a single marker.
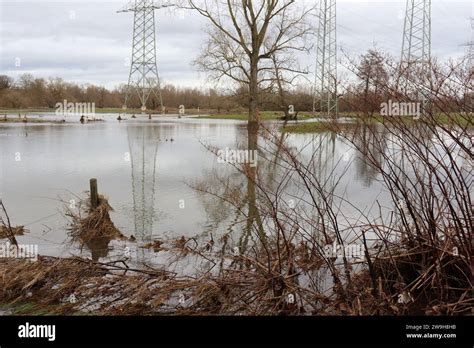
(244, 36)
(372, 73)
(5, 82)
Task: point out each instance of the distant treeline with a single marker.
(30, 92)
(366, 91)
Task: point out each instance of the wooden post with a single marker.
(94, 194)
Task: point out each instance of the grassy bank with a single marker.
(321, 126)
(302, 128)
(131, 111)
(28, 120)
(47, 110)
(244, 116)
(30, 308)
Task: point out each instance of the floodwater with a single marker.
(148, 169)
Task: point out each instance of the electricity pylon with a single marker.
(416, 50)
(468, 93)
(143, 79)
(325, 87)
(471, 46)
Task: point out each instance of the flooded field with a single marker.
(148, 170)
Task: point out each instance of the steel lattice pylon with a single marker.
(416, 47)
(143, 79)
(469, 94)
(471, 46)
(325, 87)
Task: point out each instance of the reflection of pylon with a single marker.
(325, 89)
(143, 150)
(416, 48)
(143, 79)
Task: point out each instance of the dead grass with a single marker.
(17, 231)
(410, 275)
(95, 225)
(156, 246)
(242, 285)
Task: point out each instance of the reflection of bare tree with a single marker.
(377, 140)
(253, 216)
(143, 145)
(365, 140)
(290, 210)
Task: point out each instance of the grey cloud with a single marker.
(88, 41)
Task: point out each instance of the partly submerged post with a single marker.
(94, 194)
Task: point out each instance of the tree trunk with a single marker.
(253, 94)
(281, 93)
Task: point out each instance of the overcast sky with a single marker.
(88, 42)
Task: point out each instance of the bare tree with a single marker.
(245, 35)
(286, 72)
(5, 82)
(372, 73)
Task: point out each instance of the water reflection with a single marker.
(367, 139)
(143, 146)
(98, 247)
(253, 215)
(145, 191)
